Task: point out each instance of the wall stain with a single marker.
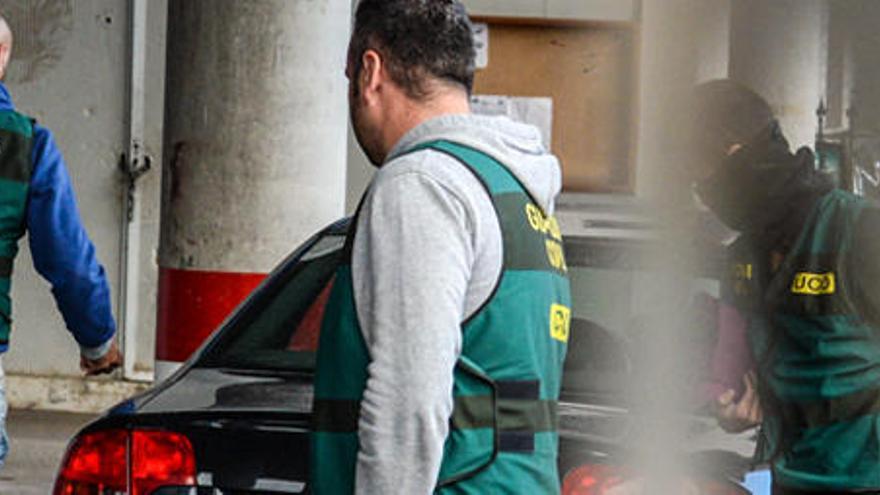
(42, 29)
(178, 160)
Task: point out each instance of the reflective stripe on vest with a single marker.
(507, 380)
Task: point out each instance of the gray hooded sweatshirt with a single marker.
(427, 255)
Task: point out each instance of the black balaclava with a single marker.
(761, 189)
(765, 191)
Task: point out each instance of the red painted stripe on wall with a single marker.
(192, 304)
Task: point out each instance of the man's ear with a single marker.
(5, 55)
(371, 73)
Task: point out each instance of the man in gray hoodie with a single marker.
(455, 288)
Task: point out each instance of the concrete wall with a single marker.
(78, 87)
(69, 71)
(669, 64)
(712, 34)
(854, 33)
(779, 48)
(839, 79)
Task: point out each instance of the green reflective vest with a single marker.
(819, 361)
(16, 141)
(502, 436)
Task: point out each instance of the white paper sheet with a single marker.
(481, 43)
(535, 111)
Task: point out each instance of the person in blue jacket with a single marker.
(36, 197)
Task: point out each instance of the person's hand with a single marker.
(104, 364)
(736, 417)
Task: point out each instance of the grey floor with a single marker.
(38, 442)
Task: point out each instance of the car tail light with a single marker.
(161, 458)
(104, 462)
(600, 479)
(95, 464)
(592, 479)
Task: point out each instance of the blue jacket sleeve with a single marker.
(63, 253)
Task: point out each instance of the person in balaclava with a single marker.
(804, 275)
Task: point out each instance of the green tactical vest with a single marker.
(16, 140)
(502, 437)
(819, 361)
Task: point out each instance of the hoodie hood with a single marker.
(518, 146)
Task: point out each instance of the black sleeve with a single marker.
(864, 265)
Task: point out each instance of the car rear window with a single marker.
(278, 329)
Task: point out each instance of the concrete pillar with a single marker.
(779, 48)
(255, 151)
(668, 67)
(712, 33)
(677, 48)
(855, 21)
(844, 26)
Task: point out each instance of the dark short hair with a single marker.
(420, 40)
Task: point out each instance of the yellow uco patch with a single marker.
(560, 322)
(814, 284)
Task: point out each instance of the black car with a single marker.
(235, 418)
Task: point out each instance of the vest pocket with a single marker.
(494, 417)
(472, 443)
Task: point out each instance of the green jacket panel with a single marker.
(819, 360)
